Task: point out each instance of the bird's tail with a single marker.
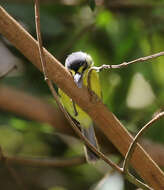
(89, 133)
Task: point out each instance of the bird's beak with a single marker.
(78, 78)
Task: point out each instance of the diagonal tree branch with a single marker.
(106, 121)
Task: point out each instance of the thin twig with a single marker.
(139, 134)
(134, 143)
(7, 72)
(124, 64)
(12, 172)
(100, 154)
(37, 21)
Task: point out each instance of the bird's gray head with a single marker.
(77, 63)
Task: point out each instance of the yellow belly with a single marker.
(81, 116)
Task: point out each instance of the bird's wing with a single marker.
(67, 102)
(95, 84)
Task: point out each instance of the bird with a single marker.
(79, 64)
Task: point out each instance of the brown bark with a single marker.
(105, 120)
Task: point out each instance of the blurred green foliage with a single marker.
(111, 36)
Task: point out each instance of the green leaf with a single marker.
(92, 4)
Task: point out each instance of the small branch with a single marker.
(7, 72)
(133, 146)
(12, 172)
(101, 155)
(42, 162)
(125, 64)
